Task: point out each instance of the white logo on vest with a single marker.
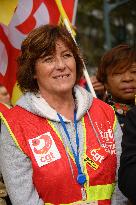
(107, 137)
(44, 149)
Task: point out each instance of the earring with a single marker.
(105, 96)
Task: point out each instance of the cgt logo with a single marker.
(96, 156)
(44, 149)
(42, 144)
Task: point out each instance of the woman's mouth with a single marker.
(61, 76)
(129, 90)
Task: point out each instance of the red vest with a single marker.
(52, 175)
(3, 107)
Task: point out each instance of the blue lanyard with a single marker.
(81, 178)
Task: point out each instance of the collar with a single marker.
(120, 108)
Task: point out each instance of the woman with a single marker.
(127, 170)
(60, 141)
(117, 72)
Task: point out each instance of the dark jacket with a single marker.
(127, 170)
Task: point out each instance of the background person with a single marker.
(127, 170)
(117, 72)
(98, 87)
(4, 106)
(60, 141)
(4, 96)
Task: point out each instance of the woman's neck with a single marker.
(127, 102)
(63, 104)
(113, 99)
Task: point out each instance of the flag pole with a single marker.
(74, 12)
(69, 28)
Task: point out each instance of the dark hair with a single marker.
(118, 58)
(39, 43)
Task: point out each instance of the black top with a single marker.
(127, 170)
(120, 109)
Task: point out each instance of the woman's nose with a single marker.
(60, 64)
(127, 76)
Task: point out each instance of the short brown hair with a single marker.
(118, 58)
(39, 43)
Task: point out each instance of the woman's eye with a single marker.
(68, 55)
(48, 60)
(117, 74)
(133, 71)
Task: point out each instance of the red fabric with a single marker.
(3, 108)
(27, 16)
(54, 181)
(101, 123)
(82, 82)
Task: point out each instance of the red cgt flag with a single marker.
(28, 15)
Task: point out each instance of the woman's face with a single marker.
(56, 74)
(122, 84)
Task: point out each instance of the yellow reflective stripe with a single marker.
(48, 204)
(115, 119)
(84, 154)
(56, 131)
(95, 193)
(115, 123)
(10, 131)
(100, 192)
(74, 203)
(54, 128)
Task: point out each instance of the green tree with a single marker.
(90, 27)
